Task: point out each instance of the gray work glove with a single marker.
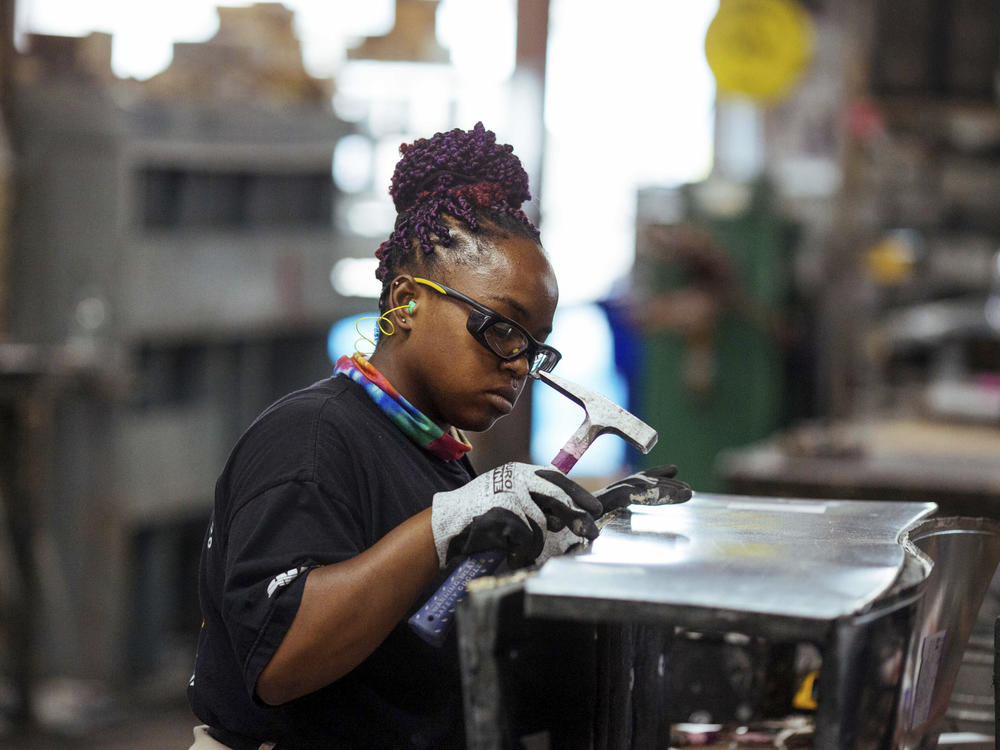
(655, 486)
(531, 512)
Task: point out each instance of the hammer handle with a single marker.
(564, 461)
(433, 621)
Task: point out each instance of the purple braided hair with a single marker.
(464, 174)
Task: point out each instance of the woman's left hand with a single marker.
(655, 486)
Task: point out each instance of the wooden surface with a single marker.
(956, 465)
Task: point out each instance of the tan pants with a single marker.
(204, 741)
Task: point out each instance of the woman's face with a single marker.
(454, 379)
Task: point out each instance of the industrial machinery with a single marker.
(182, 231)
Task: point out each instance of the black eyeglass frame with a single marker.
(482, 317)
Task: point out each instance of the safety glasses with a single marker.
(500, 334)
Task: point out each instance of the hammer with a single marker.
(601, 415)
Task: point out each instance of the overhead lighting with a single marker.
(355, 277)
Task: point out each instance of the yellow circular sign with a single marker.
(759, 48)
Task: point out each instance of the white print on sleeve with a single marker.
(283, 579)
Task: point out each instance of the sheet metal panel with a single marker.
(735, 559)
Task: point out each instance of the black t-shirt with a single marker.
(319, 477)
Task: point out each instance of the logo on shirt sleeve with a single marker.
(283, 579)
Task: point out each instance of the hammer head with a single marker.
(601, 415)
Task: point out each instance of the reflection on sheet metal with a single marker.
(780, 507)
(810, 560)
(664, 548)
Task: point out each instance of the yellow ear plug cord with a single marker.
(385, 326)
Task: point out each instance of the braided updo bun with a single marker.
(463, 174)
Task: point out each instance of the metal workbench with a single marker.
(843, 575)
(915, 457)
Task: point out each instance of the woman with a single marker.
(346, 504)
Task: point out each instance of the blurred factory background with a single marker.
(775, 230)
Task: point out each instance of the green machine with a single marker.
(708, 307)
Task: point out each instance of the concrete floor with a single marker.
(77, 716)
(168, 729)
(163, 728)
(151, 712)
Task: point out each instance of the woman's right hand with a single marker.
(530, 512)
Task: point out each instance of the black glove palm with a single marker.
(655, 486)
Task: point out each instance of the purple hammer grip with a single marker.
(564, 461)
(433, 621)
